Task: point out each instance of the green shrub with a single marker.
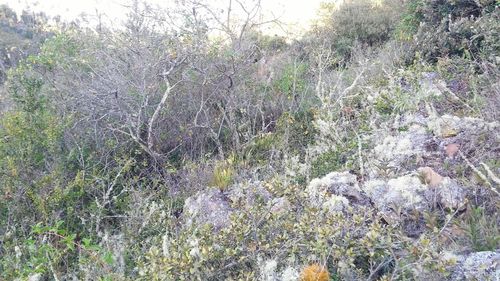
(453, 28)
(296, 130)
(482, 230)
(223, 174)
(327, 162)
(351, 22)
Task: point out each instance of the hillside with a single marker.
(187, 145)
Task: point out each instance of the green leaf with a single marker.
(108, 258)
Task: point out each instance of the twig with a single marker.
(481, 175)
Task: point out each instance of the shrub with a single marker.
(297, 131)
(223, 174)
(351, 22)
(452, 28)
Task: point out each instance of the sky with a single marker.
(296, 14)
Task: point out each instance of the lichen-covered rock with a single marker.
(451, 195)
(208, 207)
(448, 126)
(335, 203)
(445, 126)
(400, 194)
(35, 277)
(339, 183)
(267, 270)
(290, 274)
(334, 191)
(448, 192)
(481, 266)
(397, 152)
(249, 194)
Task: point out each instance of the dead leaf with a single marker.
(451, 149)
(430, 176)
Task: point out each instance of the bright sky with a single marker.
(297, 14)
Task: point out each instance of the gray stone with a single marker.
(393, 153)
(339, 183)
(480, 266)
(400, 194)
(249, 194)
(208, 207)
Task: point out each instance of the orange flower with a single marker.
(315, 272)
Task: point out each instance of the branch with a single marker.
(160, 105)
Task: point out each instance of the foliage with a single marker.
(482, 231)
(297, 130)
(223, 174)
(462, 28)
(108, 135)
(351, 22)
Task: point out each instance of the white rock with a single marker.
(268, 270)
(338, 183)
(403, 193)
(35, 277)
(396, 152)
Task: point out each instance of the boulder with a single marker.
(401, 194)
(334, 191)
(448, 192)
(448, 126)
(398, 152)
(338, 183)
(248, 194)
(208, 207)
(481, 266)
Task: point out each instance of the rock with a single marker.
(401, 194)
(409, 193)
(290, 274)
(335, 203)
(481, 266)
(208, 207)
(395, 152)
(451, 195)
(342, 184)
(249, 194)
(448, 126)
(267, 270)
(445, 126)
(334, 192)
(35, 277)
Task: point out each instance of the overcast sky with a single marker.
(297, 14)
